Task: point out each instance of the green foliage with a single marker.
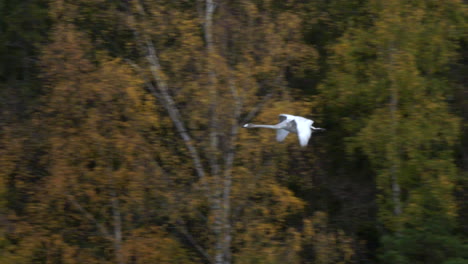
(398, 117)
(426, 237)
(23, 26)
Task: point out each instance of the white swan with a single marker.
(290, 123)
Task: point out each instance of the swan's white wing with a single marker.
(281, 134)
(304, 119)
(283, 117)
(303, 130)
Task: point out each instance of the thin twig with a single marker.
(183, 230)
(257, 108)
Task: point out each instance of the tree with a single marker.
(23, 26)
(88, 206)
(162, 174)
(399, 117)
(223, 71)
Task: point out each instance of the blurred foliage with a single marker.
(122, 139)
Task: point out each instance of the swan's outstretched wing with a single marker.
(303, 130)
(281, 134)
(283, 117)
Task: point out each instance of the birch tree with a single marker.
(158, 144)
(141, 156)
(228, 73)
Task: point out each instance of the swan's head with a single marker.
(318, 128)
(248, 125)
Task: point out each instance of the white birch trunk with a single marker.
(220, 203)
(393, 154)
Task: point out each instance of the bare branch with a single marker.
(168, 102)
(183, 229)
(172, 108)
(213, 135)
(101, 228)
(149, 86)
(257, 108)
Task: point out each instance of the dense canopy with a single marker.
(121, 135)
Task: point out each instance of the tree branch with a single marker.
(168, 102)
(172, 108)
(102, 229)
(257, 108)
(183, 230)
(212, 77)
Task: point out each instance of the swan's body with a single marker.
(290, 123)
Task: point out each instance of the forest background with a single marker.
(120, 138)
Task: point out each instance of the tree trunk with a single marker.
(393, 154)
(117, 228)
(221, 186)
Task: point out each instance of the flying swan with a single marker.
(294, 124)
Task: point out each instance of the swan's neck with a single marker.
(263, 126)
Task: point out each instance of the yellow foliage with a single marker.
(116, 159)
(152, 245)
